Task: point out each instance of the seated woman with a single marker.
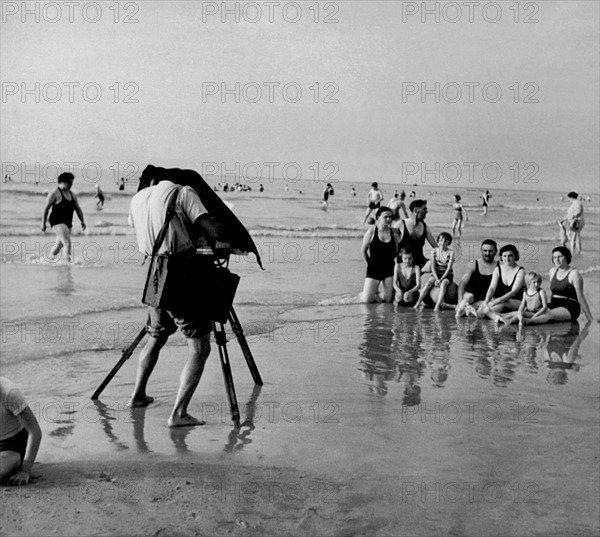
(506, 288)
(566, 286)
(379, 249)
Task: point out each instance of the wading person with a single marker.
(61, 203)
(147, 216)
(414, 231)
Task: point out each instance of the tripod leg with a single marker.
(125, 356)
(239, 334)
(219, 331)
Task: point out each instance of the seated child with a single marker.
(20, 435)
(407, 278)
(534, 302)
(442, 259)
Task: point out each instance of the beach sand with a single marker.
(324, 449)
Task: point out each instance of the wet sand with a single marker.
(364, 426)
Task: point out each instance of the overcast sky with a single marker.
(341, 87)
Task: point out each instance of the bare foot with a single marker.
(184, 421)
(471, 311)
(135, 403)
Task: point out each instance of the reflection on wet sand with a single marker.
(108, 415)
(406, 341)
(64, 283)
(238, 438)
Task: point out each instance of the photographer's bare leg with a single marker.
(148, 359)
(198, 349)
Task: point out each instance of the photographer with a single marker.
(190, 221)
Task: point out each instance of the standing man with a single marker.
(414, 231)
(374, 199)
(475, 282)
(147, 216)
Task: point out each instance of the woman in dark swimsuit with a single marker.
(379, 249)
(566, 285)
(63, 204)
(506, 288)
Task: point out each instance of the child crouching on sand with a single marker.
(407, 279)
(20, 435)
(534, 303)
(442, 260)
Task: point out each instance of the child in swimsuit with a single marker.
(441, 265)
(534, 303)
(459, 211)
(407, 279)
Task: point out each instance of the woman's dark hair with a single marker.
(565, 252)
(456, 197)
(66, 177)
(573, 195)
(383, 209)
(416, 204)
(510, 248)
(374, 185)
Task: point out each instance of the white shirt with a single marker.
(147, 216)
(12, 403)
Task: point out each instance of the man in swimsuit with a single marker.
(476, 280)
(63, 202)
(374, 199)
(413, 231)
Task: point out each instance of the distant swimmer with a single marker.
(61, 203)
(459, 213)
(99, 198)
(486, 202)
(122, 183)
(261, 188)
(353, 191)
(374, 199)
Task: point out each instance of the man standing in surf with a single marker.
(63, 203)
(414, 231)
